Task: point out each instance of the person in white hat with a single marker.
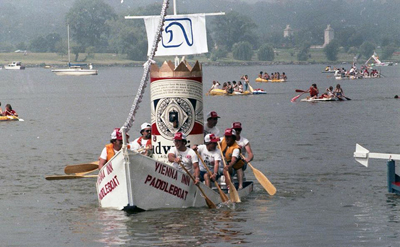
(142, 144)
(211, 158)
(112, 148)
(182, 154)
(210, 125)
(243, 142)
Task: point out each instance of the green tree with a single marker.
(88, 23)
(387, 51)
(51, 40)
(331, 50)
(233, 28)
(266, 53)
(367, 49)
(21, 46)
(242, 51)
(303, 52)
(38, 45)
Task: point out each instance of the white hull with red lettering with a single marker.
(139, 182)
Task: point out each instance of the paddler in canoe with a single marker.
(9, 111)
(112, 148)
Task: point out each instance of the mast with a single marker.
(69, 53)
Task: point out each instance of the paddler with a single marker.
(313, 90)
(211, 157)
(243, 142)
(231, 152)
(142, 144)
(9, 111)
(180, 154)
(112, 148)
(210, 125)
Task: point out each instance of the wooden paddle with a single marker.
(223, 196)
(299, 91)
(262, 179)
(232, 189)
(82, 168)
(62, 177)
(346, 98)
(210, 204)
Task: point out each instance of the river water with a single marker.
(324, 198)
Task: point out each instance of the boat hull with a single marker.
(133, 181)
(9, 118)
(75, 72)
(274, 80)
(14, 67)
(219, 92)
(319, 100)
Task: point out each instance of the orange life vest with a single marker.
(228, 152)
(110, 151)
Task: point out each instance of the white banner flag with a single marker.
(182, 35)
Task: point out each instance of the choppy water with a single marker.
(324, 197)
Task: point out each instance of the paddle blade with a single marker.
(210, 204)
(295, 98)
(299, 91)
(234, 195)
(63, 177)
(81, 168)
(223, 196)
(263, 180)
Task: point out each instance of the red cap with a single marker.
(117, 135)
(212, 114)
(179, 136)
(211, 138)
(236, 125)
(230, 132)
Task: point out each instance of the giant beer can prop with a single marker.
(176, 105)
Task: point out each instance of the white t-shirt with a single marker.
(242, 143)
(136, 146)
(103, 154)
(209, 158)
(214, 130)
(188, 157)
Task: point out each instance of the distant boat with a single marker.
(14, 66)
(75, 69)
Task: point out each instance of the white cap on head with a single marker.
(145, 126)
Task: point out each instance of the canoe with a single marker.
(274, 80)
(259, 91)
(10, 118)
(131, 181)
(318, 100)
(352, 77)
(216, 92)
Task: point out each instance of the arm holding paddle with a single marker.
(177, 160)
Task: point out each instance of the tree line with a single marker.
(95, 27)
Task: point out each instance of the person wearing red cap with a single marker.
(112, 148)
(182, 154)
(231, 152)
(211, 157)
(143, 143)
(210, 125)
(244, 143)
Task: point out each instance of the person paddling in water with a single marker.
(313, 90)
(9, 111)
(338, 92)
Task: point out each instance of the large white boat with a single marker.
(14, 66)
(75, 69)
(131, 181)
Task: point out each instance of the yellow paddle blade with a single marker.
(81, 168)
(263, 180)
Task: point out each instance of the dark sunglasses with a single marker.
(238, 129)
(148, 131)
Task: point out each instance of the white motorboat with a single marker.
(14, 66)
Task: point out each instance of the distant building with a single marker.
(287, 32)
(329, 35)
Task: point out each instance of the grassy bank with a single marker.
(283, 56)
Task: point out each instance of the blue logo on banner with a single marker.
(183, 25)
